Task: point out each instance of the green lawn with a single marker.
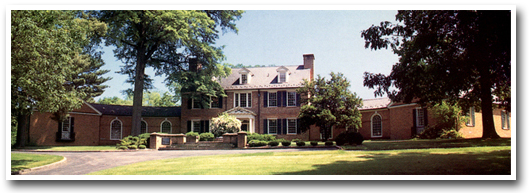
(71, 148)
(20, 161)
(427, 143)
(453, 161)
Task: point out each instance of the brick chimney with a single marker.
(308, 63)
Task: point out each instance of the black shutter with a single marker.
(265, 129)
(285, 127)
(201, 127)
(425, 117)
(297, 125)
(265, 97)
(278, 121)
(414, 128)
(206, 126)
(59, 131)
(188, 126)
(298, 97)
(284, 95)
(72, 134)
(220, 101)
(278, 97)
(189, 103)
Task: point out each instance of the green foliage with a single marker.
(329, 143)
(260, 137)
(448, 120)
(142, 146)
(224, 123)
(296, 140)
(257, 143)
(451, 134)
(192, 134)
(472, 49)
(286, 143)
(150, 98)
(331, 103)
(207, 137)
(133, 142)
(314, 143)
(122, 147)
(54, 65)
(300, 143)
(273, 143)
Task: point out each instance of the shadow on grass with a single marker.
(17, 165)
(424, 144)
(417, 163)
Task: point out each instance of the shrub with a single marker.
(314, 143)
(296, 140)
(192, 134)
(329, 143)
(285, 143)
(448, 118)
(122, 147)
(260, 137)
(452, 134)
(207, 137)
(225, 123)
(133, 147)
(349, 137)
(141, 146)
(300, 143)
(273, 143)
(257, 143)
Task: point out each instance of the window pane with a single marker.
(244, 79)
(115, 130)
(292, 126)
(143, 127)
(249, 103)
(243, 99)
(272, 126)
(291, 99)
(272, 99)
(282, 77)
(66, 124)
(196, 126)
(196, 104)
(166, 127)
(377, 125)
(420, 117)
(214, 102)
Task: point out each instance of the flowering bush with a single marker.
(224, 123)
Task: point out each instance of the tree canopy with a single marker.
(458, 56)
(167, 40)
(150, 98)
(330, 104)
(54, 65)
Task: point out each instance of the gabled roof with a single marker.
(375, 103)
(265, 77)
(122, 110)
(240, 111)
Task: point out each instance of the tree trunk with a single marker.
(486, 106)
(138, 93)
(22, 129)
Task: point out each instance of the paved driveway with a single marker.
(79, 163)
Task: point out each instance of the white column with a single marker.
(251, 129)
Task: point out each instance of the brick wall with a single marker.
(476, 131)
(43, 130)
(153, 124)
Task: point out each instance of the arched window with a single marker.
(115, 129)
(143, 128)
(376, 125)
(166, 127)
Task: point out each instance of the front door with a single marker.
(244, 125)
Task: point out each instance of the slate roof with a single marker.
(375, 103)
(122, 110)
(265, 77)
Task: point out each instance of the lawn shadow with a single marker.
(17, 165)
(417, 163)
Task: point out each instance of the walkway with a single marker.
(79, 163)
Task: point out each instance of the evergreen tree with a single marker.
(329, 103)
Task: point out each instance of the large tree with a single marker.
(457, 56)
(329, 103)
(166, 40)
(50, 54)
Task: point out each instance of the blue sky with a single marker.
(282, 37)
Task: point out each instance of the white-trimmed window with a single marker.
(195, 124)
(291, 99)
(243, 100)
(244, 78)
(330, 134)
(420, 117)
(66, 128)
(215, 103)
(471, 117)
(143, 127)
(116, 129)
(272, 99)
(505, 122)
(376, 125)
(196, 104)
(282, 76)
(272, 126)
(166, 127)
(292, 126)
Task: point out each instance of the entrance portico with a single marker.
(246, 116)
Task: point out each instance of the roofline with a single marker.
(98, 112)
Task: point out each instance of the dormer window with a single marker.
(245, 76)
(282, 74)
